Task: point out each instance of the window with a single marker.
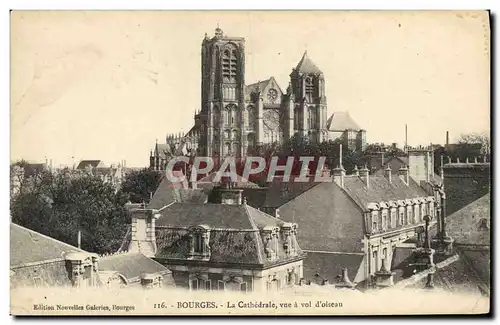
(37, 281)
(375, 261)
(393, 218)
(221, 285)
(243, 287)
(229, 65)
(309, 89)
(417, 213)
(198, 244)
(401, 217)
(384, 220)
(311, 117)
(208, 285)
(409, 217)
(375, 221)
(194, 284)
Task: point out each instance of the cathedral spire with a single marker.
(306, 65)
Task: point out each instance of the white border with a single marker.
(180, 5)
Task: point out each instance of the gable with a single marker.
(327, 219)
(272, 94)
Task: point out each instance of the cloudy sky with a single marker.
(105, 85)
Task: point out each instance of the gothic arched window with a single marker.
(250, 116)
(309, 89)
(229, 64)
(228, 115)
(311, 117)
(234, 118)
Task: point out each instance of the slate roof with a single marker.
(249, 89)
(131, 265)
(235, 233)
(280, 192)
(212, 215)
(28, 246)
(466, 226)
(88, 163)
(341, 121)
(377, 167)
(169, 192)
(327, 219)
(306, 65)
(480, 262)
(456, 277)
(329, 265)
(381, 190)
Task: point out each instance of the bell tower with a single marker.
(223, 95)
(310, 111)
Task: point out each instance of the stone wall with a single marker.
(465, 183)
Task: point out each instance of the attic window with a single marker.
(200, 238)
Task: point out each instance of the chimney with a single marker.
(230, 195)
(143, 237)
(364, 174)
(447, 138)
(355, 171)
(388, 173)
(404, 174)
(277, 213)
(344, 281)
(339, 172)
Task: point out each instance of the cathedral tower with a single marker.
(310, 108)
(223, 95)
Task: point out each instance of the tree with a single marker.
(475, 139)
(140, 185)
(59, 205)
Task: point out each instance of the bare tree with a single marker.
(477, 138)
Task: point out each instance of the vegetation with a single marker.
(140, 185)
(63, 203)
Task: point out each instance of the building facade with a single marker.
(236, 116)
(224, 246)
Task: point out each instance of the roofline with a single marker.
(252, 222)
(211, 229)
(184, 262)
(48, 237)
(23, 265)
(337, 253)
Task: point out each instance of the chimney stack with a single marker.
(404, 174)
(339, 172)
(447, 138)
(388, 173)
(355, 171)
(364, 174)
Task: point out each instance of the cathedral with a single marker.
(235, 116)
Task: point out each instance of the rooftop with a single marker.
(341, 121)
(28, 246)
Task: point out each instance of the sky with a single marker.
(106, 84)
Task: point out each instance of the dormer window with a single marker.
(198, 243)
(375, 222)
(200, 238)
